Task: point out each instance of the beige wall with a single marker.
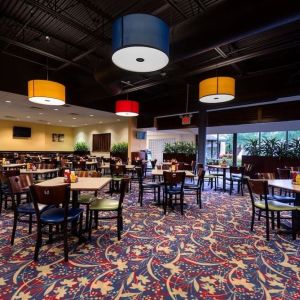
(134, 145)
(118, 130)
(40, 140)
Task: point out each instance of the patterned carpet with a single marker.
(205, 254)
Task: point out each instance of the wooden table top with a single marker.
(285, 184)
(160, 173)
(38, 171)
(218, 166)
(83, 184)
(13, 165)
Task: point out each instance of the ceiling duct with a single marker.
(227, 22)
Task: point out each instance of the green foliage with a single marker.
(187, 148)
(252, 147)
(273, 147)
(119, 148)
(81, 147)
(269, 147)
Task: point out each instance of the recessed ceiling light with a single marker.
(118, 120)
(41, 113)
(28, 117)
(73, 125)
(100, 122)
(91, 115)
(59, 120)
(48, 123)
(85, 124)
(74, 118)
(7, 101)
(55, 109)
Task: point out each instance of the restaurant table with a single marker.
(91, 164)
(224, 169)
(83, 184)
(13, 166)
(41, 172)
(287, 184)
(157, 172)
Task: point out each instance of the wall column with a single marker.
(202, 136)
(234, 149)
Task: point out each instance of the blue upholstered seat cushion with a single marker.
(28, 208)
(173, 189)
(56, 215)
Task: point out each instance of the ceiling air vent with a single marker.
(74, 114)
(9, 117)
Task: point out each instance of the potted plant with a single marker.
(120, 150)
(181, 151)
(81, 148)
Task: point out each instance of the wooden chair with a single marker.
(109, 205)
(18, 186)
(147, 187)
(196, 188)
(258, 190)
(117, 173)
(55, 216)
(173, 186)
(5, 193)
(236, 175)
(87, 199)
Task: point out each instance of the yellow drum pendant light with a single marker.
(217, 89)
(46, 92)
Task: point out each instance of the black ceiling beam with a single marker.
(175, 7)
(95, 9)
(50, 34)
(200, 5)
(224, 63)
(68, 21)
(43, 53)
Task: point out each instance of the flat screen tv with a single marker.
(21, 132)
(141, 135)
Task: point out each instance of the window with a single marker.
(242, 140)
(295, 134)
(279, 135)
(101, 142)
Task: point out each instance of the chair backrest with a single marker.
(174, 178)
(140, 174)
(50, 195)
(153, 163)
(258, 189)
(236, 170)
(118, 170)
(181, 166)
(6, 174)
(20, 184)
(265, 175)
(123, 189)
(165, 167)
(284, 173)
(200, 174)
(248, 167)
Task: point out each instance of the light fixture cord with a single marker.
(47, 67)
(187, 97)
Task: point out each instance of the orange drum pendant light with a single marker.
(46, 92)
(127, 108)
(217, 89)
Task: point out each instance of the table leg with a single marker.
(224, 179)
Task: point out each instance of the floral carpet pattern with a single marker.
(205, 254)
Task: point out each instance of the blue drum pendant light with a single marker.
(140, 43)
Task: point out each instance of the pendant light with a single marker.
(140, 43)
(217, 89)
(46, 92)
(127, 108)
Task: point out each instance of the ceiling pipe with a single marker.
(230, 21)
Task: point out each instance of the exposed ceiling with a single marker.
(257, 42)
(15, 107)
